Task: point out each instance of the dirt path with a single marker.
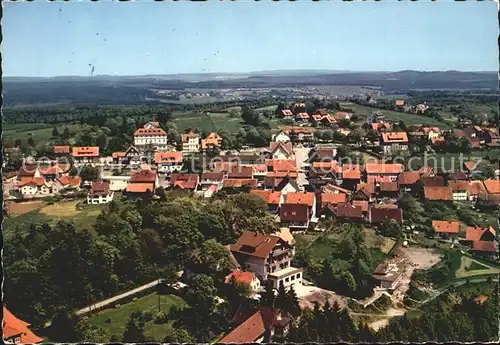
(384, 318)
(309, 294)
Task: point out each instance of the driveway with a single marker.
(301, 156)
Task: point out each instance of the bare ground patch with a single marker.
(18, 208)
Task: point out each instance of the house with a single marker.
(259, 171)
(133, 155)
(273, 199)
(446, 229)
(486, 249)
(62, 150)
(388, 190)
(262, 326)
(240, 172)
(185, 181)
(118, 157)
(142, 183)
(33, 186)
(391, 171)
(351, 175)
(323, 154)
(491, 138)
(388, 275)
(212, 141)
(364, 192)
(283, 184)
(432, 132)
(295, 216)
(28, 171)
(285, 235)
(326, 171)
(475, 188)
(492, 187)
(85, 155)
(327, 121)
(393, 142)
(51, 173)
(210, 178)
(334, 189)
(344, 212)
(16, 330)
(316, 118)
(190, 142)
(399, 104)
(438, 193)
(364, 207)
(459, 189)
(245, 278)
(150, 139)
(301, 135)
(329, 198)
(145, 176)
(322, 112)
(298, 108)
(408, 181)
(432, 181)
(303, 198)
(100, 193)
(263, 254)
(473, 234)
(168, 162)
(66, 183)
(152, 124)
(286, 113)
(281, 137)
(381, 126)
(379, 215)
(238, 184)
(302, 117)
(281, 150)
(281, 166)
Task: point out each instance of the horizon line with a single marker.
(323, 71)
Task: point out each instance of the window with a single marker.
(292, 277)
(287, 279)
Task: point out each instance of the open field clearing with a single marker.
(20, 208)
(115, 319)
(67, 210)
(373, 240)
(40, 132)
(470, 267)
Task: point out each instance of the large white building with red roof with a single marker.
(150, 136)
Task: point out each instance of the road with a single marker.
(301, 156)
(113, 299)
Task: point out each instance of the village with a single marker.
(307, 183)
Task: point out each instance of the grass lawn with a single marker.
(21, 223)
(147, 304)
(394, 116)
(372, 240)
(214, 122)
(470, 267)
(40, 132)
(67, 210)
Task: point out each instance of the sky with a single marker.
(136, 38)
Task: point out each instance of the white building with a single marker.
(168, 162)
(100, 193)
(151, 137)
(281, 136)
(190, 142)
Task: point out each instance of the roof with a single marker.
(326, 167)
(345, 210)
(35, 182)
(444, 226)
(255, 244)
(379, 215)
(27, 170)
(285, 235)
(492, 186)
(432, 181)
(286, 112)
(381, 125)
(12, 326)
(212, 175)
(329, 198)
(61, 149)
(213, 139)
(317, 117)
(69, 180)
(400, 102)
(187, 136)
(99, 188)
(332, 189)
(239, 182)
(351, 171)
(294, 212)
(326, 152)
(362, 203)
(389, 187)
(144, 176)
(287, 147)
(378, 168)
(241, 172)
(484, 246)
(92, 151)
(408, 177)
(241, 277)
(270, 197)
(394, 137)
(438, 193)
(459, 132)
(139, 187)
(184, 181)
(302, 115)
(168, 157)
(118, 154)
(281, 164)
(475, 187)
(52, 170)
(459, 185)
(476, 233)
(458, 175)
(149, 132)
(305, 198)
(322, 111)
(470, 165)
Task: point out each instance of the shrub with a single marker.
(109, 320)
(160, 318)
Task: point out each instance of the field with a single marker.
(213, 122)
(19, 208)
(40, 132)
(115, 320)
(470, 267)
(50, 214)
(409, 119)
(373, 240)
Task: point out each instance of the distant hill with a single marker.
(125, 89)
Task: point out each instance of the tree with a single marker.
(281, 299)
(250, 117)
(164, 116)
(327, 135)
(55, 132)
(134, 330)
(31, 142)
(89, 173)
(267, 296)
(292, 302)
(178, 335)
(66, 134)
(372, 135)
(390, 228)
